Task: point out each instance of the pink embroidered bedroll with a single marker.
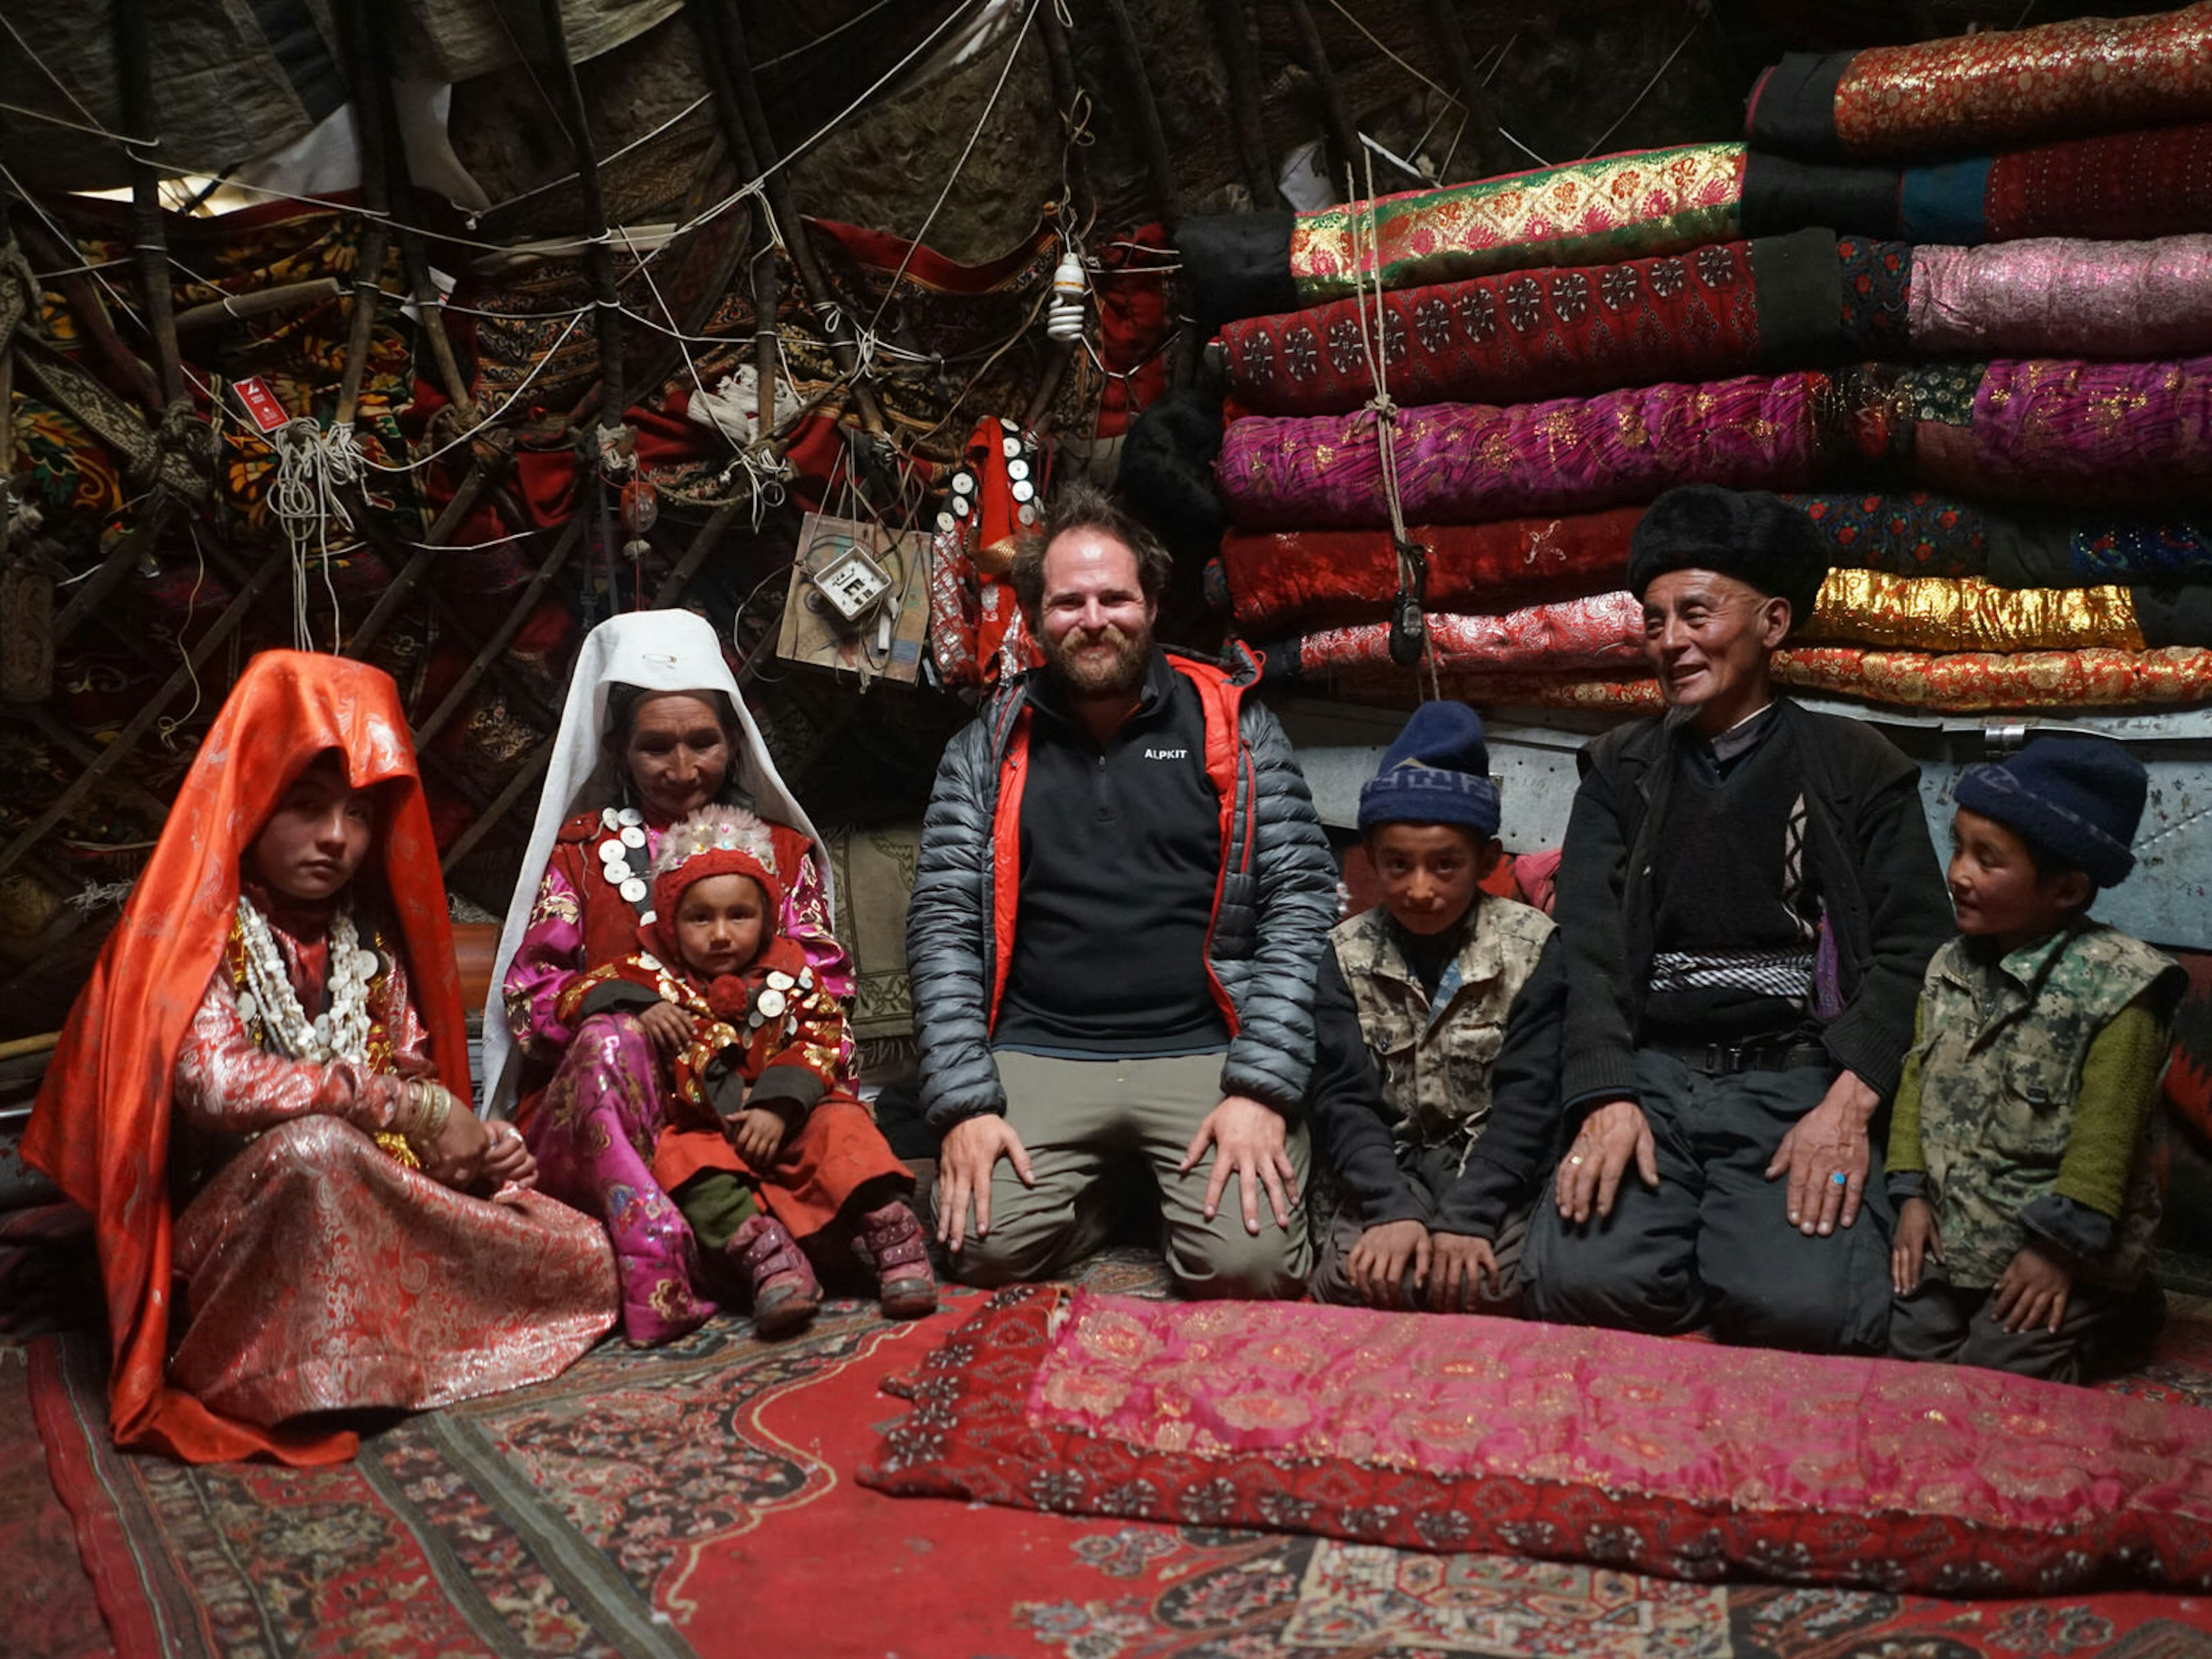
(2056, 430)
(1467, 1433)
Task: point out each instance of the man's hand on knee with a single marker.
(1825, 1155)
(964, 1162)
(1247, 1137)
(1613, 1135)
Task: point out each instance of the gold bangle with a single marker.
(439, 1108)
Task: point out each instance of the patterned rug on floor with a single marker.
(699, 1499)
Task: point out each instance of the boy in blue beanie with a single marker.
(2020, 1149)
(1420, 1207)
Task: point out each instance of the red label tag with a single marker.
(261, 405)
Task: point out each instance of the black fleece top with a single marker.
(1120, 861)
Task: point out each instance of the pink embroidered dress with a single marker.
(590, 1101)
(322, 1271)
(262, 1255)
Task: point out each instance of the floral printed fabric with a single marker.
(1479, 1434)
(1509, 338)
(1971, 681)
(1959, 681)
(2060, 298)
(2064, 431)
(1289, 578)
(1912, 533)
(1575, 636)
(2055, 430)
(2088, 75)
(1471, 462)
(1644, 202)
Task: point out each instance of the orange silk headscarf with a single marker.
(102, 1125)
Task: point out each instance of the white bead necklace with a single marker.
(269, 1002)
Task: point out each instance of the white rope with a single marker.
(75, 126)
(312, 465)
(76, 103)
(514, 397)
(582, 242)
(1646, 93)
(1028, 16)
(101, 276)
(99, 895)
(765, 473)
(685, 113)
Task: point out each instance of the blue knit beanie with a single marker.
(1437, 772)
(2075, 796)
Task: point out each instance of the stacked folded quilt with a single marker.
(1985, 378)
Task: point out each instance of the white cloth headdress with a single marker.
(657, 651)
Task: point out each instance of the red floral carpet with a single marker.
(699, 1499)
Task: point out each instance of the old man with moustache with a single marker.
(1747, 897)
(1122, 895)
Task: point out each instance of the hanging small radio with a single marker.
(852, 583)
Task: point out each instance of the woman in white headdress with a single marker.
(653, 728)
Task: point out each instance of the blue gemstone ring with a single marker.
(1840, 1179)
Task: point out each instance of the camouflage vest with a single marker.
(1435, 1062)
(2001, 1057)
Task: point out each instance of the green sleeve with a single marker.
(2119, 1089)
(1905, 1154)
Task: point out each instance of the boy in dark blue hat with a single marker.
(2020, 1149)
(1423, 1206)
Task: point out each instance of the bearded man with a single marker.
(1121, 898)
(1748, 899)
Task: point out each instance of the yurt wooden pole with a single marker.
(1233, 31)
(571, 533)
(739, 138)
(1479, 141)
(239, 308)
(418, 564)
(125, 371)
(598, 261)
(1147, 110)
(429, 300)
(135, 70)
(84, 752)
(812, 282)
(485, 822)
(7, 425)
(704, 541)
(378, 537)
(1336, 120)
(369, 140)
(125, 742)
(89, 594)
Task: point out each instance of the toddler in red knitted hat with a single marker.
(763, 1149)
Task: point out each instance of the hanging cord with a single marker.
(1409, 630)
(1028, 16)
(313, 465)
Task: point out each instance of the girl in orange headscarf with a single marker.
(262, 1096)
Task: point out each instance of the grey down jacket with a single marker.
(1276, 906)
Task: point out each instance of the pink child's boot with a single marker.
(895, 1241)
(785, 1293)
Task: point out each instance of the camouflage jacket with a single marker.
(1434, 1059)
(1999, 1058)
